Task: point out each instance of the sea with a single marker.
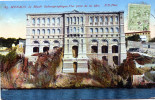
(66, 94)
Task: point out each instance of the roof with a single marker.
(77, 12)
(137, 32)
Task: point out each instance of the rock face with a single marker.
(46, 73)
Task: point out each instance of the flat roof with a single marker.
(137, 32)
(76, 12)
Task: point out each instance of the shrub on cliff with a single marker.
(8, 61)
(102, 72)
(45, 68)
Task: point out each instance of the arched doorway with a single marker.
(45, 49)
(75, 67)
(36, 49)
(115, 59)
(75, 51)
(115, 49)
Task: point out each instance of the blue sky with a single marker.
(13, 20)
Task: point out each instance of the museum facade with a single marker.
(83, 35)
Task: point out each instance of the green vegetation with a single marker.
(8, 61)
(152, 40)
(133, 38)
(9, 41)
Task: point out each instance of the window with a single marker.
(78, 30)
(101, 30)
(111, 19)
(91, 19)
(74, 19)
(115, 59)
(38, 31)
(67, 30)
(117, 29)
(78, 19)
(112, 30)
(74, 29)
(96, 30)
(82, 19)
(59, 31)
(43, 20)
(53, 31)
(58, 20)
(71, 20)
(82, 31)
(33, 31)
(91, 30)
(116, 19)
(48, 20)
(94, 49)
(114, 49)
(107, 30)
(33, 21)
(68, 20)
(53, 20)
(101, 19)
(96, 19)
(38, 21)
(48, 31)
(43, 31)
(104, 49)
(106, 19)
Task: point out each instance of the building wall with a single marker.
(85, 33)
(143, 33)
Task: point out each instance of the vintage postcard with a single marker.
(77, 49)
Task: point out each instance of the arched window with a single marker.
(43, 20)
(67, 30)
(101, 30)
(74, 19)
(53, 31)
(78, 30)
(106, 19)
(74, 29)
(38, 21)
(117, 29)
(96, 19)
(48, 31)
(59, 31)
(91, 30)
(33, 31)
(58, 20)
(68, 20)
(82, 19)
(112, 30)
(107, 30)
(96, 30)
(116, 19)
(78, 19)
(101, 19)
(111, 19)
(43, 31)
(38, 31)
(82, 31)
(48, 20)
(53, 20)
(71, 20)
(33, 21)
(91, 19)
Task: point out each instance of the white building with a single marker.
(83, 35)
